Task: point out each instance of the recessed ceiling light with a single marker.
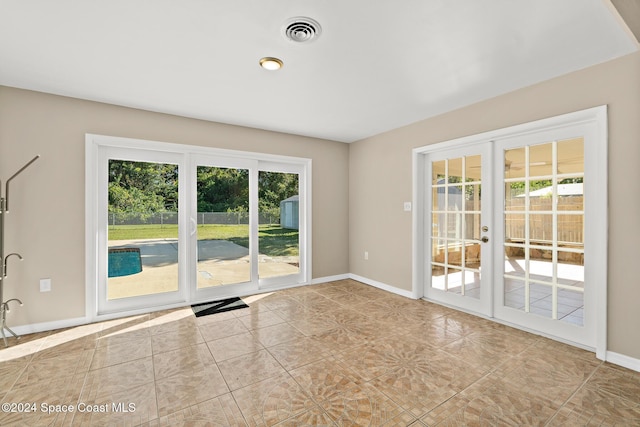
(271, 64)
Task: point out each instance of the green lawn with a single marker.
(273, 240)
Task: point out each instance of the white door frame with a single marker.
(595, 120)
(95, 196)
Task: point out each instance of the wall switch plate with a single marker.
(407, 206)
(366, 255)
(45, 285)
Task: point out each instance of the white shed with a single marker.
(289, 212)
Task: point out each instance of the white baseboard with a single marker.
(326, 279)
(48, 326)
(383, 286)
(624, 361)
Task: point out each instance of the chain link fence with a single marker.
(167, 218)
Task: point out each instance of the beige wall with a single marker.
(46, 221)
(380, 177)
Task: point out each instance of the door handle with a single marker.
(484, 239)
(194, 226)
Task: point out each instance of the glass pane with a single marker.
(278, 239)
(223, 226)
(571, 269)
(571, 156)
(143, 229)
(454, 280)
(571, 306)
(514, 228)
(578, 246)
(473, 168)
(455, 253)
(438, 277)
(472, 254)
(540, 300)
(514, 163)
(455, 198)
(454, 225)
(472, 197)
(571, 195)
(472, 227)
(541, 195)
(541, 229)
(540, 160)
(514, 293)
(438, 225)
(438, 172)
(571, 230)
(472, 284)
(514, 263)
(514, 195)
(541, 265)
(575, 318)
(438, 198)
(455, 170)
(438, 248)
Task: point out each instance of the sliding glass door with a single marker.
(280, 221)
(142, 256)
(170, 224)
(245, 226)
(222, 223)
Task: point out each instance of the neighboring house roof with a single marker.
(291, 199)
(563, 190)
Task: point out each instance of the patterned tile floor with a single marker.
(340, 353)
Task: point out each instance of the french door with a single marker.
(170, 224)
(541, 241)
(459, 216)
(513, 226)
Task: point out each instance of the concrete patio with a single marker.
(220, 262)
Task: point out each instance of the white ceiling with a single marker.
(378, 64)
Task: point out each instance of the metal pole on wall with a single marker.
(4, 210)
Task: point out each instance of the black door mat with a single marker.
(213, 307)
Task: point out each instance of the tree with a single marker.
(222, 189)
(146, 188)
(274, 187)
(142, 187)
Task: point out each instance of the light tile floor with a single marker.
(340, 353)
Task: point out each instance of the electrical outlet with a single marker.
(407, 206)
(366, 255)
(45, 285)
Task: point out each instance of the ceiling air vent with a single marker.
(301, 29)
